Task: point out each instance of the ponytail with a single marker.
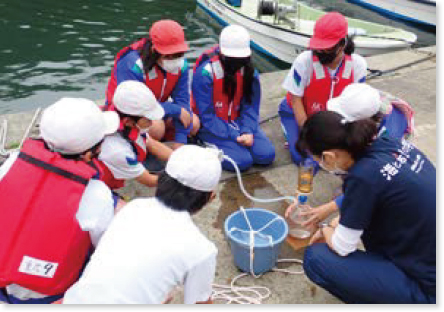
(148, 56)
(349, 45)
(328, 130)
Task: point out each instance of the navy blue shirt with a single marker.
(390, 194)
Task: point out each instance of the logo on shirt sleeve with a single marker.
(297, 77)
(132, 161)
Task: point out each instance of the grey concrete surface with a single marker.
(416, 84)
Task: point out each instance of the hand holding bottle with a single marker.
(318, 214)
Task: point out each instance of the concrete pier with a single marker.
(415, 83)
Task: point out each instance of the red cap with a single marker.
(168, 37)
(328, 30)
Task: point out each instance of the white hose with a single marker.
(241, 185)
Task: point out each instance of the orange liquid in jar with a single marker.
(305, 182)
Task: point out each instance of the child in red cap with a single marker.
(158, 61)
(319, 74)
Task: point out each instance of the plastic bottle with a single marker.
(298, 231)
(305, 177)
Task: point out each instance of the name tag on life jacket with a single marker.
(42, 268)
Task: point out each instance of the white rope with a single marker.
(240, 294)
(28, 130)
(255, 294)
(4, 131)
(288, 271)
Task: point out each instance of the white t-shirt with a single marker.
(96, 211)
(119, 156)
(299, 76)
(147, 251)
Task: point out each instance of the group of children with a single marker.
(60, 206)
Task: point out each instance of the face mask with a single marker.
(336, 171)
(233, 64)
(173, 66)
(326, 58)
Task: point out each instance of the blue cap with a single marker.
(302, 199)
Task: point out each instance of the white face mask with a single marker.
(173, 66)
(336, 171)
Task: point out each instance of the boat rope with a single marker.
(374, 73)
(4, 132)
(251, 294)
(383, 38)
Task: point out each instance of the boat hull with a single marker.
(280, 43)
(421, 12)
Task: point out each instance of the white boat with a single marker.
(421, 12)
(286, 33)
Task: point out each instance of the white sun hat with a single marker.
(136, 99)
(196, 167)
(74, 125)
(235, 41)
(357, 101)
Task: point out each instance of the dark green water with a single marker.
(61, 48)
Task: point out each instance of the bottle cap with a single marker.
(302, 199)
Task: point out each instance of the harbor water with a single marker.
(54, 48)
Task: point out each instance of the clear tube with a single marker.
(241, 185)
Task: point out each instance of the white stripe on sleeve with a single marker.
(345, 240)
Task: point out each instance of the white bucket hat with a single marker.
(196, 167)
(74, 125)
(235, 41)
(136, 99)
(357, 101)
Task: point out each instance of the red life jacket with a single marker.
(224, 109)
(161, 84)
(322, 87)
(42, 246)
(138, 143)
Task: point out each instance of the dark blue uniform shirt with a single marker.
(390, 194)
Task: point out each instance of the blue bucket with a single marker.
(267, 244)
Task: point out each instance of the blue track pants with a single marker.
(361, 277)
